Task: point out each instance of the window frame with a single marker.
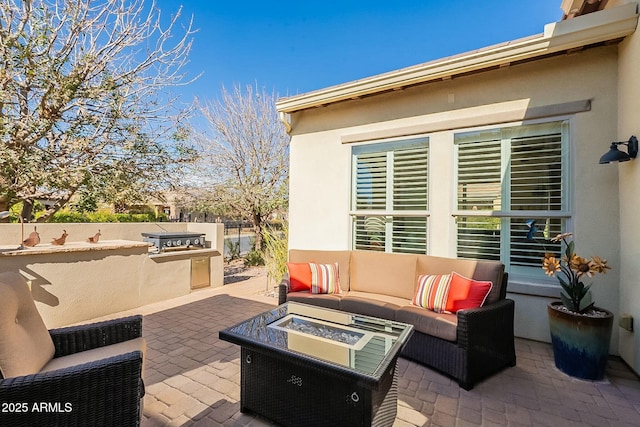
(524, 279)
(533, 282)
(386, 145)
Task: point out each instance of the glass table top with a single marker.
(360, 343)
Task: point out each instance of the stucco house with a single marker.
(457, 157)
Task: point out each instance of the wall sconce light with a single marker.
(615, 155)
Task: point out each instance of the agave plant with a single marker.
(570, 271)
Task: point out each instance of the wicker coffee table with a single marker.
(303, 365)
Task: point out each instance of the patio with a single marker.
(192, 378)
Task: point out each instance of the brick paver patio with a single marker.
(192, 378)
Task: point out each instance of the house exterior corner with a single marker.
(484, 163)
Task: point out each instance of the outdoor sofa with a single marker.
(468, 345)
(88, 375)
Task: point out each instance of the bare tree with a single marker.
(84, 99)
(245, 155)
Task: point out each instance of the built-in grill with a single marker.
(174, 240)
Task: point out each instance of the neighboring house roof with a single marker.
(558, 38)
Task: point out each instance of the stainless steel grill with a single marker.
(172, 240)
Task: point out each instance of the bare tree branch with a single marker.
(244, 163)
(84, 97)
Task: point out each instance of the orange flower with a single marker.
(598, 265)
(580, 266)
(573, 270)
(550, 265)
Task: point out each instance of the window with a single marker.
(390, 196)
(512, 194)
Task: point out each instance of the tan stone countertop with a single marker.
(48, 248)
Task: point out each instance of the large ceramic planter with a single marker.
(580, 342)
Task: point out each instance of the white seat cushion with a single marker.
(136, 344)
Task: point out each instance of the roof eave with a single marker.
(570, 34)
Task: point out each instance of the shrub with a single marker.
(253, 258)
(72, 216)
(233, 248)
(67, 216)
(276, 244)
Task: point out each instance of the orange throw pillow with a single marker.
(299, 276)
(466, 293)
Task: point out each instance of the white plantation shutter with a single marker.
(391, 187)
(410, 178)
(369, 233)
(371, 181)
(480, 172)
(410, 188)
(409, 235)
(506, 179)
(536, 172)
(529, 253)
(479, 238)
(479, 188)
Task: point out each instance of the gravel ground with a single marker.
(235, 271)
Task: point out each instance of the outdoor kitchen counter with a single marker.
(80, 281)
(48, 248)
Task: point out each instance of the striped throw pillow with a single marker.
(432, 292)
(324, 278)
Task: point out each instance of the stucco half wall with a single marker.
(81, 281)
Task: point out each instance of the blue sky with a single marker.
(292, 47)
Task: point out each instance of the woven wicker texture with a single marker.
(296, 393)
(484, 345)
(105, 393)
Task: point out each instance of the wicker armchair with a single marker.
(94, 377)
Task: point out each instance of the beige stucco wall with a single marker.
(319, 192)
(320, 161)
(79, 281)
(629, 189)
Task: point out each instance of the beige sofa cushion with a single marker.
(369, 304)
(378, 297)
(479, 270)
(321, 300)
(383, 273)
(93, 355)
(441, 325)
(325, 257)
(25, 343)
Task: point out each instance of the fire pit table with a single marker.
(304, 365)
